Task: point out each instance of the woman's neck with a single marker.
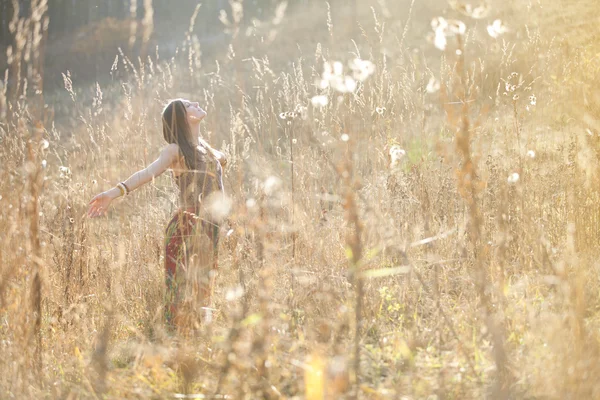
(194, 133)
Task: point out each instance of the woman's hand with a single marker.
(98, 206)
(220, 157)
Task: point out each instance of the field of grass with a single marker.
(431, 233)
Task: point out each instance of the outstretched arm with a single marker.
(99, 204)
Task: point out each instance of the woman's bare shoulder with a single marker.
(171, 153)
(171, 148)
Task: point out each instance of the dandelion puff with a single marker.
(323, 84)
(234, 293)
(513, 178)
(433, 85)
(345, 137)
(531, 154)
(496, 29)
(64, 170)
(250, 203)
(327, 71)
(218, 206)
(440, 27)
(439, 23)
(338, 68)
(319, 101)
(396, 153)
(532, 100)
(478, 12)
(440, 41)
(456, 27)
(272, 185)
(350, 84)
(362, 69)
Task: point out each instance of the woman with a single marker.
(192, 234)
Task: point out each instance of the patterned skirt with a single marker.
(191, 256)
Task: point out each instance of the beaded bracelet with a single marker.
(127, 191)
(122, 189)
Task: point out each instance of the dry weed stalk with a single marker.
(470, 185)
(355, 255)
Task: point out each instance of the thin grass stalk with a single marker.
(100, 356)
(33, 215)
(291, 303)
(469, 184)
(355, 247)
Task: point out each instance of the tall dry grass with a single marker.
(463, 267)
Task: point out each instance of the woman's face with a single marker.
(194, 113)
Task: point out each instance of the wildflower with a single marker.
(333, 75)
(362, 69)
(319, 101)
(433, 85)
(272, 185)
(531, 154)
(380, 110)
(439, 23)
(478, 12)
(45, 144)
(440, 40)
(345, 137)
(44, 163)
(301, 111)
(439, 26)
(496, 29)
(396, 153)
(250, 203)
(283, 115)
(234, 293)
(349, 85)
(532, 100)
(457, 27)
(513, 178)
(443, 28)
(64, 170)
(218, 206)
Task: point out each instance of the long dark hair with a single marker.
(176, 129)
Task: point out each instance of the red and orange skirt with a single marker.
(191, 260)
